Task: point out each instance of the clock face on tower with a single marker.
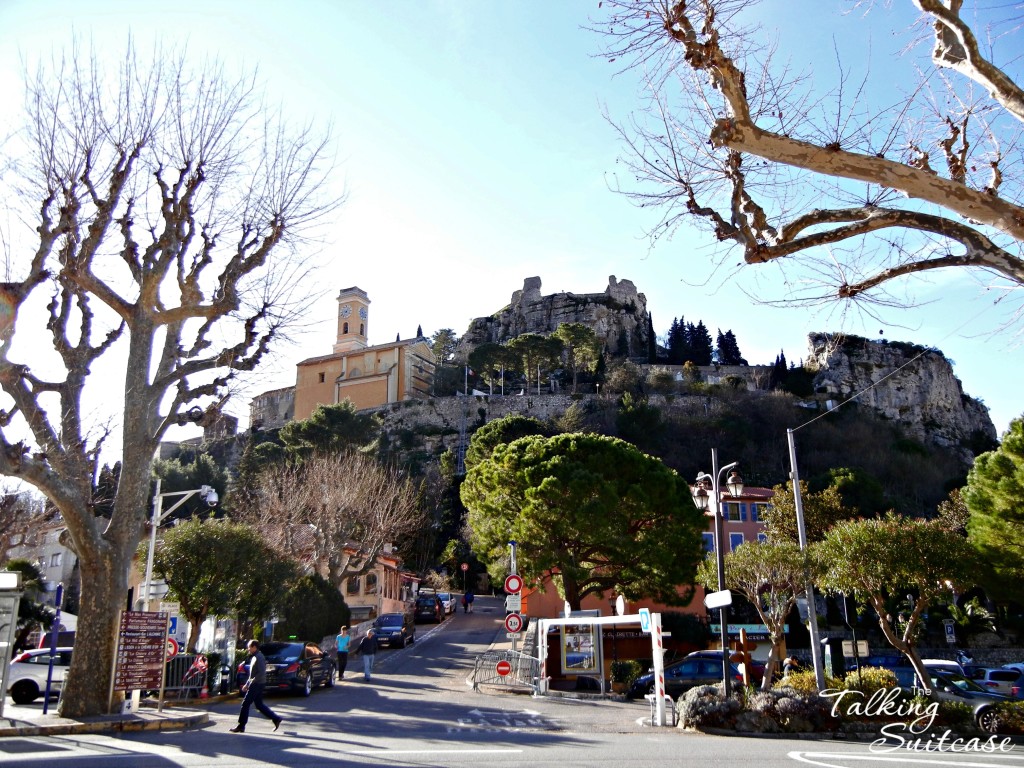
(346, 311)
(362, 312)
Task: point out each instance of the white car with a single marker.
(26, 677)
(447, 601)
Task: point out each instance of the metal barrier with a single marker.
(186, 676)
(524, 673)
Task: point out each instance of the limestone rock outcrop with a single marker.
(912, 385)
(618, 317)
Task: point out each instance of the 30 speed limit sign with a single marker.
(514, 622)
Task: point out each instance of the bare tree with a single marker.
(852, 195)
(336, 512)
(21, 518)
(161, 209)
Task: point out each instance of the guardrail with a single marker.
(186, 676)
(524, 672)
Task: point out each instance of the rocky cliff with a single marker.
(618, 317)
(912, 385)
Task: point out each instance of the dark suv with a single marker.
(394, 630)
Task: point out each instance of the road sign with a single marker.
(645, 619)
(513, 583)
(718, 599)
(172, 648)
(503, 668)
(514, 603)
(514, 622)
(862, 648)
(950, 631)
(464, 567)
(141, 649)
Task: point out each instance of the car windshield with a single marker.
(282, 653)
(961, 682)
(444, 595)
(389, 620)
(426, 601)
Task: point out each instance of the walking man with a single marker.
(468, 598)
(368, 650)
(253, 689)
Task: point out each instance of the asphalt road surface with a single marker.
(419, 711)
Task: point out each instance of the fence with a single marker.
(525, 671)
(186, 676)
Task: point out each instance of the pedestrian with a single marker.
(469, 597)
(343, 640)
(465, 604)
(253, 689)
(789, 666)
(368, 650)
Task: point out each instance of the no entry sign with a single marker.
(503, 668)
(514, 622)
(513, 583)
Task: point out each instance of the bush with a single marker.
(804, 682)
(1011, 717)
(626, 671)
(706, 707)
(870, 679)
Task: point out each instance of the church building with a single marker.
(369, 376)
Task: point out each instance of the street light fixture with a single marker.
(704, 500)
(208, 494)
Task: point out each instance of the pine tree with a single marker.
(652, 341)
(728, 351)
(701, 346)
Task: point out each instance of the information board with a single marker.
(141, 651)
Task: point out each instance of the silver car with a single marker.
(26, 677)
(447, 601)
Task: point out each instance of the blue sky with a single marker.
(472, 145)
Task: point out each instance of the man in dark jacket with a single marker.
(253, 689)
(368, 650)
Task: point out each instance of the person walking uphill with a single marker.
(368, 650)
(253, 690)
(343, 641)
(467, 601)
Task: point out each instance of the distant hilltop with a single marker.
(618, 317)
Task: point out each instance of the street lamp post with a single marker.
(206, 492)
(703, 500)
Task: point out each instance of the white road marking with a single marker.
(435, 752)
(821, 759)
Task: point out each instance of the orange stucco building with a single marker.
(367, 375)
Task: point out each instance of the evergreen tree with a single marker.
(652, 341)
(995, 497)
(779, 371)
(678, 343)
(727, 351)
(419, 331)
(701, 346)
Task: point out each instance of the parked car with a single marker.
(756, 667)
(395, 630)
(26, 676)
(949, 686)
(447, 600)
(1004, 680)
(428, 608)
(293, 667)
(682, 676)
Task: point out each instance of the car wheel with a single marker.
(307, 686)
(329, 682)
(24, 692)
(988, 720)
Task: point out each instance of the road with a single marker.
(419, 711)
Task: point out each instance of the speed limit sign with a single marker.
(514, 622)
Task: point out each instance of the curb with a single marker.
(115, 723)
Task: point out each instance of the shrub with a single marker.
(867, 680)
(1011, 717)
(626, 671)
(804, 682)
(706, 707)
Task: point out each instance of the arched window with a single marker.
(344, 328)
(371, 583)
(353, 586)
(362, 329)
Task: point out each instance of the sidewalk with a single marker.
(53, 725)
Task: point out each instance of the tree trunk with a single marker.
(104, 587)
(195, 625)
